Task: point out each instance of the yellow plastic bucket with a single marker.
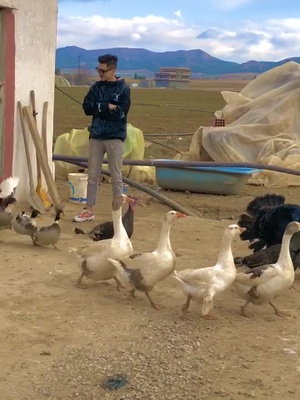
(77, 187)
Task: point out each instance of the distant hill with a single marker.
(132, 59)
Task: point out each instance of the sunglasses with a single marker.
(103, 71)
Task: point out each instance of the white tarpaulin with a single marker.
(262, 126)
(76, 143)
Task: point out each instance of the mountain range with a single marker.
(135, 59)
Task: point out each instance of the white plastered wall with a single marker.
(35, 30)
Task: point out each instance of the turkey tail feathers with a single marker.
(269, 200)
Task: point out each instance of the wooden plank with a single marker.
(42, 158)
(34, 200)
(44, 126)
(39, 189)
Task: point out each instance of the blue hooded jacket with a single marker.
(108, 124)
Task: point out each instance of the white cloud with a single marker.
(136, 36)
(270, 40)
(178, 13)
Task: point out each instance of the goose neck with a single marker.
(117, 222)
(164, 239)
(285, 250)
(225, 249)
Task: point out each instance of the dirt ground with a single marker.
(61, 342)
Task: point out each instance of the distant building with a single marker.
(172, 77)
(146, 83)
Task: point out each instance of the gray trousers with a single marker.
(114, 150)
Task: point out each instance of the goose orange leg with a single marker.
(79, 284)
(278, 312)
(211, 316)
(154, 305)
(119, 284)
(186, 306)
(243, 309)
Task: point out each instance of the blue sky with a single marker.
(233, 30)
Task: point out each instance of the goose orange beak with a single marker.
(242, 230)
(180, 215)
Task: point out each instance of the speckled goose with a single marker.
(48, 235)
(25, 224)
(142, 271)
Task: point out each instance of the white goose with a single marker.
(262, 284)
(142, 271)
(93, 257)
(203, 284)
(7, 200)
(8, 187)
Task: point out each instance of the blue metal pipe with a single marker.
(183, 164)
(172, 204)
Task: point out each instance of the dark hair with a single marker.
(108, 59)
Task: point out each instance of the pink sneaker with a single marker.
(85, 215)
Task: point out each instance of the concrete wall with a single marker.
(2, 78)
(9, 3)
(36, 27)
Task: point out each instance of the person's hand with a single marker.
(112, 106)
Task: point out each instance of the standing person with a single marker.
(108, 101)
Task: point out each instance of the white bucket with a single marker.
(78, 187)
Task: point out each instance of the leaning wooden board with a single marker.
(34, 200)
(42, 158)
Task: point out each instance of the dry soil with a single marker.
(61, 342)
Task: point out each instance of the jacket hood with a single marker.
(118, 82)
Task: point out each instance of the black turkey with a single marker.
(267, 256)
(266, 219)
(106, 230)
